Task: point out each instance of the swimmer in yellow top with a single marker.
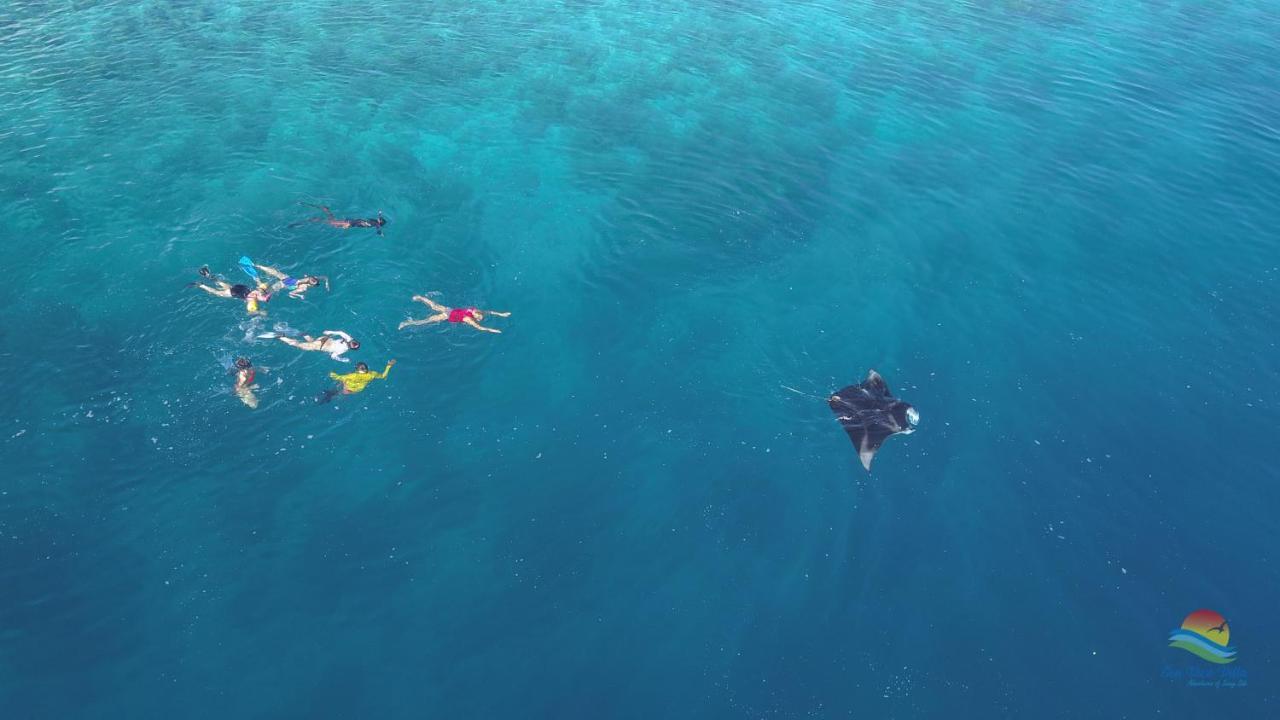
(354, 382)
(251, 297)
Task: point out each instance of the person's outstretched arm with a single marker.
(385, 370)
(472, 322)
(499, 313)
(339, 333)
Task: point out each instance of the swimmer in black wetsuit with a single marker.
(345, 223)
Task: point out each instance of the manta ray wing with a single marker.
(876, 385)
(864, 427)
(873, 436)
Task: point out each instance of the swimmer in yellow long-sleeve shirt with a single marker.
(354, 382)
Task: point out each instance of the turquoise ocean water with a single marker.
(1050, 225)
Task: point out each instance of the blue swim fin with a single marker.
(247, 265)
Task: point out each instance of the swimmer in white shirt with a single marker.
(334, 342)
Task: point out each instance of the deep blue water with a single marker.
(1052, 226)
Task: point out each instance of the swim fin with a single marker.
(247, 265)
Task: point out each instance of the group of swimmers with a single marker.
(334, 342)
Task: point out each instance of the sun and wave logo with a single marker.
(1205, 634)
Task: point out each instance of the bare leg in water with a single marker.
(329, 218)
(442, 313)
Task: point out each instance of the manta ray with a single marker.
(870, 413)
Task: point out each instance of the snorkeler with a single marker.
(252, 297)
(345, 223)
(334, 342)
(354, 382)
(245, 376)
(297, 286)
(468, 316)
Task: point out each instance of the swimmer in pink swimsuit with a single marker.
(464, 316)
